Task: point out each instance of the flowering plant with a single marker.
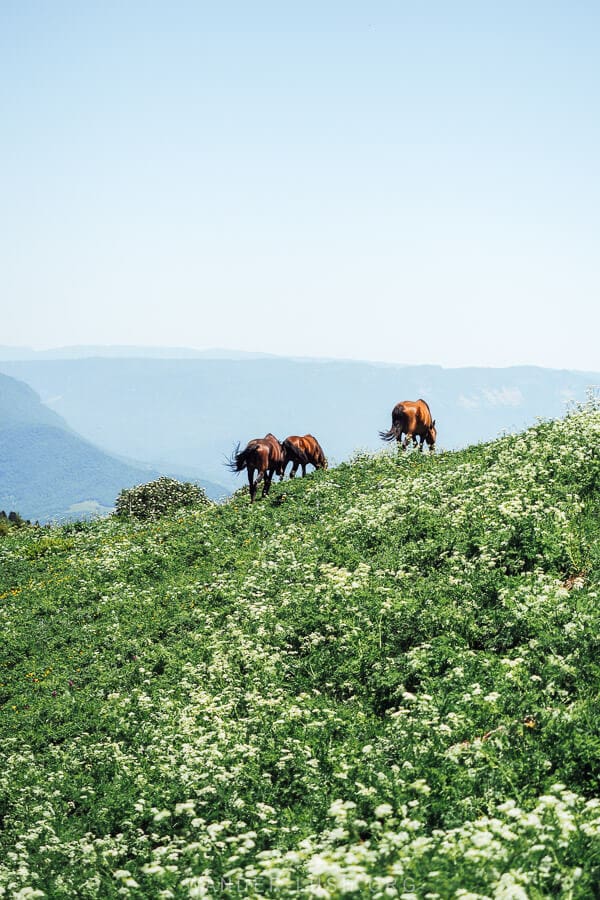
(157, 498)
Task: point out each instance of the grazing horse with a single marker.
(302, 451)
(413, 419)
(263, 455)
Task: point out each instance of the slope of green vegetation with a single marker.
(382, 681)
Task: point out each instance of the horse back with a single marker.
(424, 412)
(413, 416)
(292, 448)
(275, 449)
(304, 449)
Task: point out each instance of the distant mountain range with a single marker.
(47, 471)
(190, 413)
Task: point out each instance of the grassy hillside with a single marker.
(382, 681)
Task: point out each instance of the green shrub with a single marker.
(46, 545)
(12, 520)
(157, 498)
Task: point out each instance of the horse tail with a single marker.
(398, 424)
(395, 432)
(239, 458)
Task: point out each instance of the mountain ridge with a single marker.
(48, 471)
(192, 412)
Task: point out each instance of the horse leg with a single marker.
(294, 469)
(251, 484)
(303, 469)
(282, 472)
(408, 437)
(267, 484)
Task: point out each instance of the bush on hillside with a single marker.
(158, 498)
(12, 520)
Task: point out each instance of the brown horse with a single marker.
(263, 455)
(413, 419)
(302, 451)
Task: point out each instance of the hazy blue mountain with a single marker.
(48, 471)
(192, 412)
(20, 406)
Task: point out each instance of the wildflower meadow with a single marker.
(381, 681)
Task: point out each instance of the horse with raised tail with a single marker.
(261, 455)
(413, 419)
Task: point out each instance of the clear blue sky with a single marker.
(412, 182)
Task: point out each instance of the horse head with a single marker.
(431, 435)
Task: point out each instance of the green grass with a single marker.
(381, 681)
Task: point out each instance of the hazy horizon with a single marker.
(162, 351)
(393, 184)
